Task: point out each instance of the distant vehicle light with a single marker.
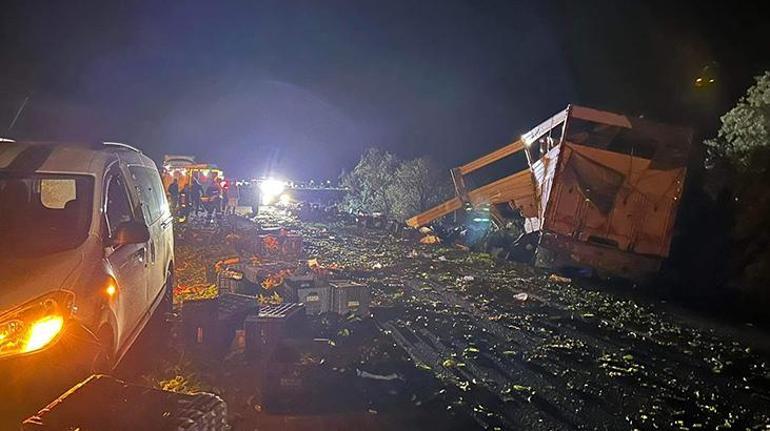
(272, 188)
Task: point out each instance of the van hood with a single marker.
(25, 279)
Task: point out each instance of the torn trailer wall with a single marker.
(601, 190)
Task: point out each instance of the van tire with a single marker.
(103, 361)
(167, 303)
(162, 325)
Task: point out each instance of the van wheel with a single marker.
(160, 324)
(167, 304)
(102, 362)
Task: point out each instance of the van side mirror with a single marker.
(130, 232)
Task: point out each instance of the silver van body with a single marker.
(88, 250)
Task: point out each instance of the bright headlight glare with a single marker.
(272, 188)
(34, 325)
(43, 332)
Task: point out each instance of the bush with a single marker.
(382, 183)
(742, 150)
(744, 138)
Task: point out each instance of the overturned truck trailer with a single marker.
(601, 190)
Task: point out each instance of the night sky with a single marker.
(298, 89)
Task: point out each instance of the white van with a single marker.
(87, 254)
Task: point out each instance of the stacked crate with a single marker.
(311, 290)
(282, 245)
(230, 279)
(105, 403)
(284, 384)
(254, 275)
(209, 325)
(349, 297)
(268, 329)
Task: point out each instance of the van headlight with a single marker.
(36, 324)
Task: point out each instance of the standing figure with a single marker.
(195, 194)
(173, 193)
(212, 200)
(233, 195)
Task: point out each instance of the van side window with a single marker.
(118, 207)
(148, 190)
(160, 194)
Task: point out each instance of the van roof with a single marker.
(65, 156)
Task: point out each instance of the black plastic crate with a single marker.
(209, 325)
(273, 324)
(310, 289)
(104, 403)
(350, 297)
(285, 386)
(293, 282)
(317, 298)
(230, 280)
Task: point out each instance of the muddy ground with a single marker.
(462, 341)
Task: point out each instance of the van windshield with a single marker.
(42, 214)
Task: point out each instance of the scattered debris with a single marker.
(430, 239)
(386, 377)
(555, 278)
(473, 334)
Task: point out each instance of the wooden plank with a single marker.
(491, 157)
(516, 187)
(503, 190)
(438, 211)
(597, 116)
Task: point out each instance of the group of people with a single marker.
(217, 196)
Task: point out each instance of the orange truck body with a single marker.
(184, 168)
(601, 190)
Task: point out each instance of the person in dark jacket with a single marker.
(213, 201)
(195, 195)
(173, 193)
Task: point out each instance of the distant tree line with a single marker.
(399, 189)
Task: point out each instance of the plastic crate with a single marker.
(285, 386)
(293, 282)
(317, 298)
(255, 274)
(273, 324)
(230, 280)
(310, 289)
(104, 403)
(350, 297)
(209, 325)
(278, 245)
